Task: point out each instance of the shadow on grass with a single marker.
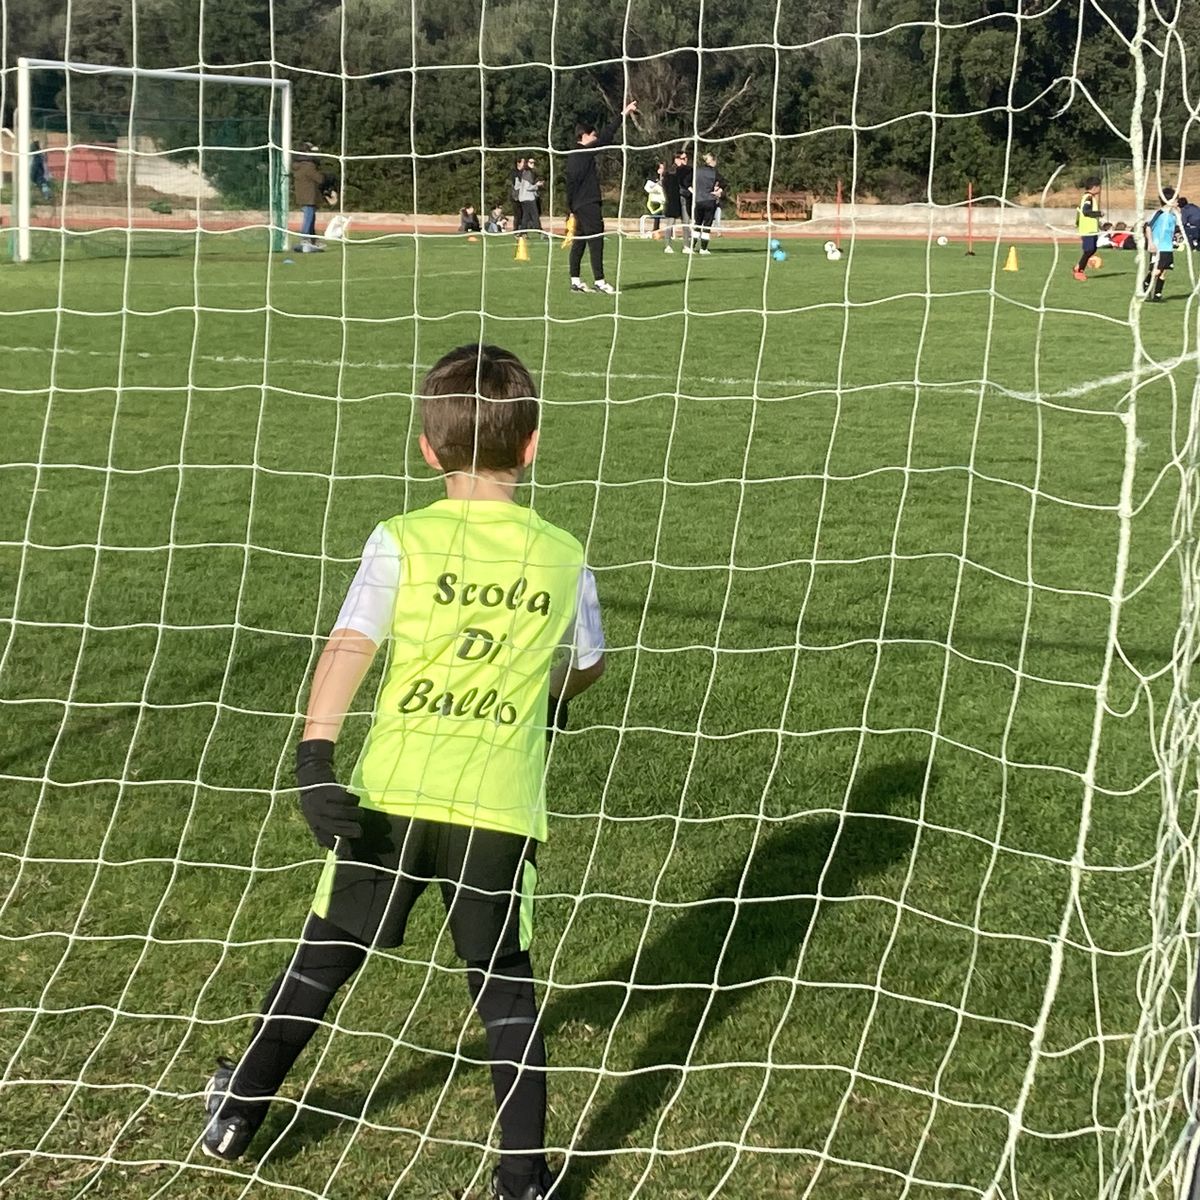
(825, 634)
(759, 248)
(645, 285)
(747, 933)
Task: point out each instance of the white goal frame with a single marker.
(22, 125)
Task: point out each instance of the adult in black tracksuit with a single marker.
(583, 199)
(707, 189)
(673, 204)
(685, 184)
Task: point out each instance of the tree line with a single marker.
(429, 101)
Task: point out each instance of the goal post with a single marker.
(874, 860)
(149, 173)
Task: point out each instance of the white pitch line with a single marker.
(384, 365)
(963, 386)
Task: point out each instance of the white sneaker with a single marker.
(705, 251)
(580, 287)
(668, 250)
(605, 287)
(687, 249)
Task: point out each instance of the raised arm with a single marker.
(606, 135)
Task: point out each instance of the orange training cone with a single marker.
(1010, 263)
(472, 238)
(522, 254)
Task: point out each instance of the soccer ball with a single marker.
(779, 255)
(943, 241)
(1095, 262)
(833, 255)
(830, 247)
(773, 244)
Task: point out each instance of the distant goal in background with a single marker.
(136, 160)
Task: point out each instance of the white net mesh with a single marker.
(139, 163)
(871, 868)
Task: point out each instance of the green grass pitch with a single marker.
(856, 532)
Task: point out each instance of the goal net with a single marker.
(872, 857)
(122, 161)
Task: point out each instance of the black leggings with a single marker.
(503, 995)
(589, 232)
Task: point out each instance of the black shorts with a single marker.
(1164, 261)
(487, 880)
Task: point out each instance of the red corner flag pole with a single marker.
(837, 224)
(970, 219)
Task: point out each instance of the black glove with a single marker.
(330, 810)
(556, 716)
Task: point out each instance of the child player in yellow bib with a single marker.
(1087, 225)
(492, 625)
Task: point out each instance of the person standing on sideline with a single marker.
(514, 191)
(309, 184)
(655, 196)
(583, 199)
(706, 191)
(685, 197)
(1189, 216)
(1160, 242)
(673, 205)
(39, 173)
(528, 185)
(1087, 224)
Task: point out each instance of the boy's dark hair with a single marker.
(1168, 193)
(1091, 181)
(584, 127)
(479, 408)
(1182, 200)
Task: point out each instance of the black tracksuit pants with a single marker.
(589, 232)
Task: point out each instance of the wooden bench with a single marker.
(775, 205)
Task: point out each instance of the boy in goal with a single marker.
(475, 595)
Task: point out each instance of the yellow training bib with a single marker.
(487, 590)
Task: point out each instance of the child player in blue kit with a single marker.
(1160, 242)
(474, 596)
